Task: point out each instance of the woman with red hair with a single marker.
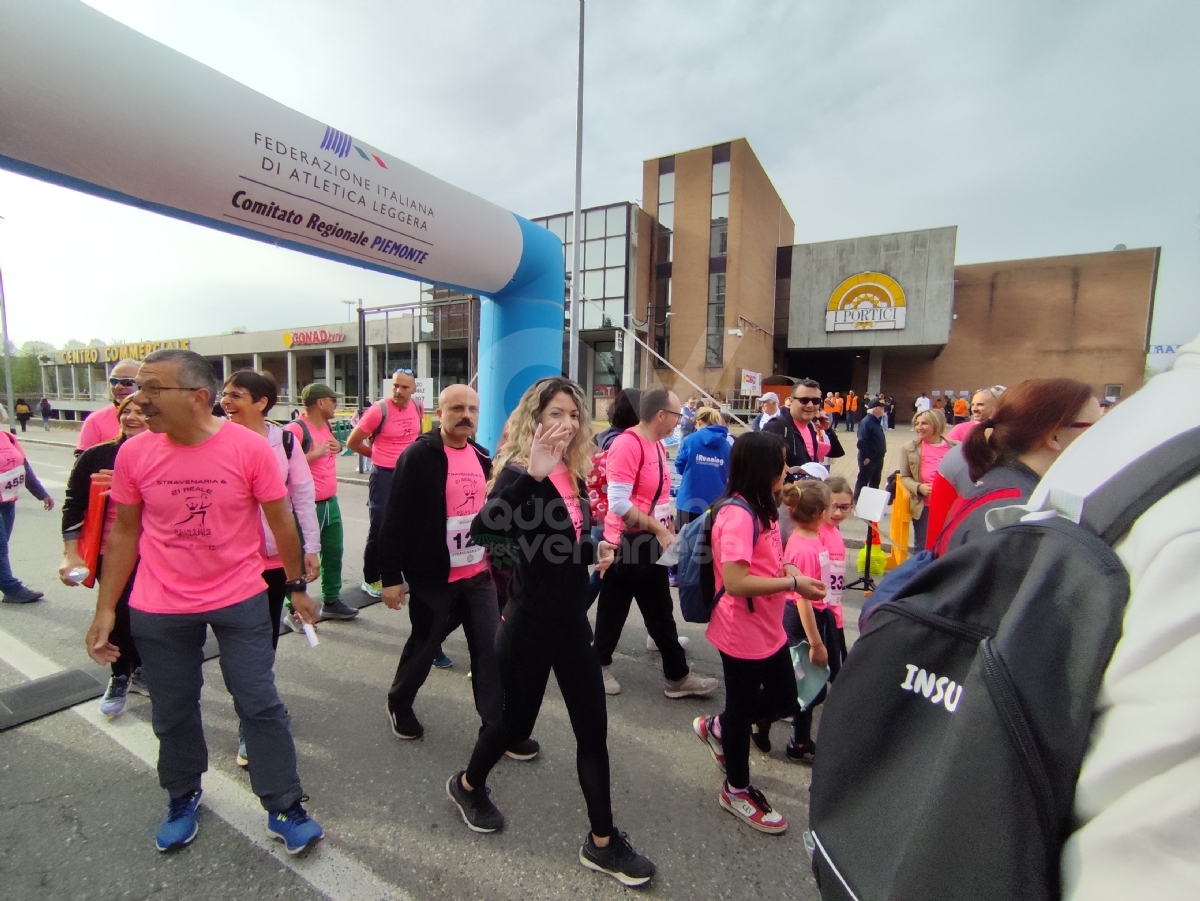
(1034, 422)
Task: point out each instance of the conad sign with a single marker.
(312, 336)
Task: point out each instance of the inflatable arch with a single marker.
(93, 105)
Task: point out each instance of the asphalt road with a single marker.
(79, 802)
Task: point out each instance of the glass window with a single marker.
(714, 350)
(568, 227)
(662, 297)
(614, 282)
(719, 241)
(557, 226)
(666, 215)
(593, 224)
(720, 178)
(716, 288)
(593, 284)
(614, 254)
(666, 188)
(666, 245)
(716, 316)
(593, 254)
(616, 220)
(593, 315)
(720, 206)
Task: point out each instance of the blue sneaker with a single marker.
(179, 828)
(441, 661)
(295, 828)
(115, 695)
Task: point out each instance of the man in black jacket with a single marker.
(872, 447)
(425, 546)
(798, 429)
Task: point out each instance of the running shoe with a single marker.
(441, 661)
(242, 759)
(405, 725)
(115, 696)
(476, 807)
(524, 750)
(703, 727)
(611, 685)
(752, 808)
(801, 752)
(690, 686)
(295, 828)
(138, 685)
(652, 646)
(22, 595)
(181, 823)
(337, 609)
(760, 734)
(618, 860)
(374, 589)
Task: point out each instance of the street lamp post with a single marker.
(576, 287)
(12, 425)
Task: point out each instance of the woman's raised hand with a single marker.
(549, 444)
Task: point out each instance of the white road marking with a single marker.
(326, 869)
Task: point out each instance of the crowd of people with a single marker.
(192, 510)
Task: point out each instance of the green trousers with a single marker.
(329, 518)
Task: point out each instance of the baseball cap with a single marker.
(771, 396)
(314, 392)
(877, 402)
(815, 471)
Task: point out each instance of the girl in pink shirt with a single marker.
(752, 582)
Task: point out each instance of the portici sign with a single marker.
(868, 300)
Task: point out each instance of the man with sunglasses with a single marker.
(103, 425)
(385, 431)
(805, 430)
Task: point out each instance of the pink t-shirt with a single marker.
(931, 459)
(323, 469)
(466, 490)
(200, 508)
(400, 430)
(632, 460)
(733, 629)
(831, 539)
(960, 432)
(103, 425)
(568, 488)
(12, 468)
(821, 451)
(810, 557)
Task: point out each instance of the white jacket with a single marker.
(1138, 798)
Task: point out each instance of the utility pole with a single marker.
(576, 287)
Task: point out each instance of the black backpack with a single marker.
(950, 748)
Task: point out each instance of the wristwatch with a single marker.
(291, 585)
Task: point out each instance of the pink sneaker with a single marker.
(703, 727)
(753, 808)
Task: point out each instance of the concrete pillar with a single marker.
(424, 363)
(74, 384)
(45, 389)
(372, 374)
(256, 362)
(57, 381)
(629, 352)
(329, 379)
(874, 371)
(292, 393)
(226, 368)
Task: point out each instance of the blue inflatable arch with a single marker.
(93, 105)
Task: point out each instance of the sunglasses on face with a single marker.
(124, 383)
(807, 401)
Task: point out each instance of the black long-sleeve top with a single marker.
(79, 485)
(526, 523)
(784, 426)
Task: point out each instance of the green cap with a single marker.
(314, 392)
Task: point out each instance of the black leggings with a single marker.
(835, 645)
(120, 635)
(754, 690)
(276, 593)
(530, 646)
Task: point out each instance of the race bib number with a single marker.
(463, 552)
(662, 512)
(836, 582)
(11, 484)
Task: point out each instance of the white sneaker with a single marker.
(651, 646)
(611, 685)
(690, 686)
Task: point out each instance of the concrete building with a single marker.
(702, 289)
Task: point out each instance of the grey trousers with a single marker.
(170, 645)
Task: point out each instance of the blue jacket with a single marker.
(872, 443)
(703, 461)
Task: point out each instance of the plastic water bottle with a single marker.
(77, 574)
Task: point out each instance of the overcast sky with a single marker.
(1038, 128)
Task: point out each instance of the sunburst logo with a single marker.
(869, 300)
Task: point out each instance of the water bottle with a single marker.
(77, 574)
